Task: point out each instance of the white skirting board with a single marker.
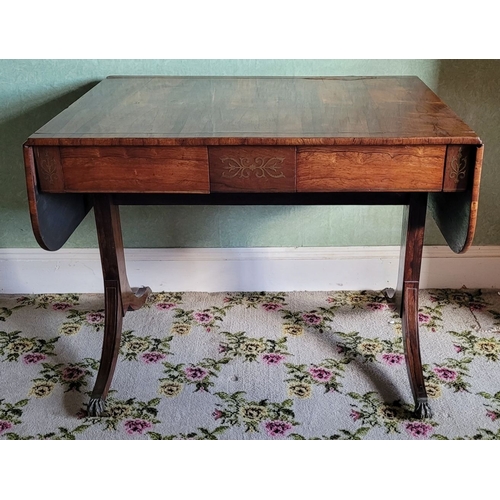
(26, 271)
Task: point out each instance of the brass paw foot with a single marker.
(96, 407)
(422, 410)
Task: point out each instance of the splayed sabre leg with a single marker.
(406, 297)
(118, 296)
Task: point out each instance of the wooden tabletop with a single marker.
(210, 111)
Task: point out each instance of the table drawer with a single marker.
(131, 169)
(458, 168)
(373, 168)
(252, 169)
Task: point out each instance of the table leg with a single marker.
(406, 296)
(118, 296)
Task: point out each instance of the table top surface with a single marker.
(169, 111)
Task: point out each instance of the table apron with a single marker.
(256, 169)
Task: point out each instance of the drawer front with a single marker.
(123, 169)
(374, 168)
(252, 169)
(459, 166)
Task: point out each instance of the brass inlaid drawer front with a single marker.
(374, 168)
(49, 168)
(123, 169)
(459, 163)
(252, 169)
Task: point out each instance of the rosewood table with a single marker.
(179, 140)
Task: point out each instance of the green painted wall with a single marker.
(33, 91)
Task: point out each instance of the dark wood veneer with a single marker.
(257, 169)
(232, 111)
(375, 168)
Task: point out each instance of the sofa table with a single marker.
(231, 140)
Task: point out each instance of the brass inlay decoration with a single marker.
(48, 168)
(261, 166)
(458, 167)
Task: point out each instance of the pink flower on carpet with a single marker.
(392, 358)
(72, 373)
(272, 358)
(445, 374)
(320, 374)
(491, 414)
(137, 426)
(423, 318)
(60, 306)
(474, 306)
(165, 306)
(203, 317)
(152, 357)
(340, 349)
(311, 318)
(4, 426)
(95, 318)
(217, 414)
(195, 373)
(271, 306)
(458, 348)
(418, 429)
(278, 428)
(355, 415)
(34, 358)
(377, 306)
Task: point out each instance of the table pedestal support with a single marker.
(118, 296)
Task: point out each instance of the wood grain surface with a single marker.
(459, 166)
(375, 168)
(256, 169)
(124, 169)
(126, 111)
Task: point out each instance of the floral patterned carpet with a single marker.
(236, 366)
